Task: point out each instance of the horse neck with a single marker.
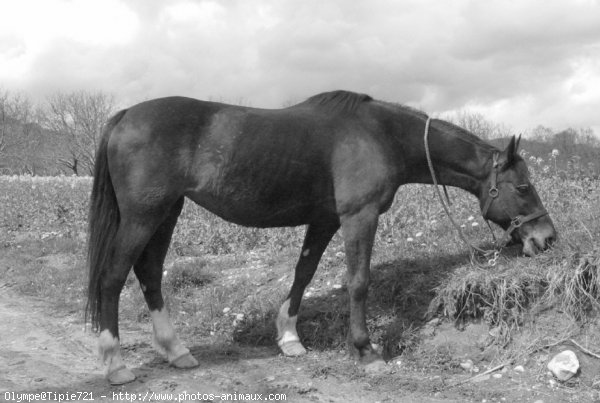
(458, 159)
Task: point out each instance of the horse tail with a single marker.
(103, 223)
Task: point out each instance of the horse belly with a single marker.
(246, 198)
(246, 210)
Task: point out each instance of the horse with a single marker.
(333, 161)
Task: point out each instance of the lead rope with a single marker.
(491, 254)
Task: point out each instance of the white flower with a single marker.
(409, 239)
(419, 234)
(471, 218)
(555, 153)
(474, 224)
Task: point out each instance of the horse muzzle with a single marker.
(537, 236)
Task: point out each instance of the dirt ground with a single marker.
(44, 351)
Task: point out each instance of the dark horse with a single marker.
(335, 160)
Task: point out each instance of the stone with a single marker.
(467, 365)
(564, 365)
(519, 368)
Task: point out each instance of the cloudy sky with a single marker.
(521, 63)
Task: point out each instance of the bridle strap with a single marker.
(493, 192)
(517, 222)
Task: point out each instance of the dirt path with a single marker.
(40, 352)
(44, 352)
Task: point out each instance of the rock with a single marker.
(497, 376)
(564, 365)
(467, 365)
(519, 368)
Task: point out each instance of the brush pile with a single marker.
(506, 295)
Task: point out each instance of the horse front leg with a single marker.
(359, 233)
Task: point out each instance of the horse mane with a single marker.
(406, 109)
(341, 101)
(338, 101)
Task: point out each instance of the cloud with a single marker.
(523, 63)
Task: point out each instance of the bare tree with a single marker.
(19, 132)
(542, 134)
(79, 116)
(588, 137)
(479, 125)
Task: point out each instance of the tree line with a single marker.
(56, 136)
(59, 134)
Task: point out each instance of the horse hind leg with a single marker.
(149, 270)
(316, 240)
(130, 239)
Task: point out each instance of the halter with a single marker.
(493, 193)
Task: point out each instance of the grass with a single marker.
(226, 282)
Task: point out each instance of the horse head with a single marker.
(509, 199)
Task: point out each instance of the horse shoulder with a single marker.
(362, 173)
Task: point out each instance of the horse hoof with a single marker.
(292, 348)
(120, 376)
(377, 367)
(185, 361)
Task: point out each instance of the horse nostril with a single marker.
(550, 241)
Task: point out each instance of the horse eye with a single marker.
(522, 188)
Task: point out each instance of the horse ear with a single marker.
(508, 155)
(518, 143)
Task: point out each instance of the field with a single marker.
(430, 308)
